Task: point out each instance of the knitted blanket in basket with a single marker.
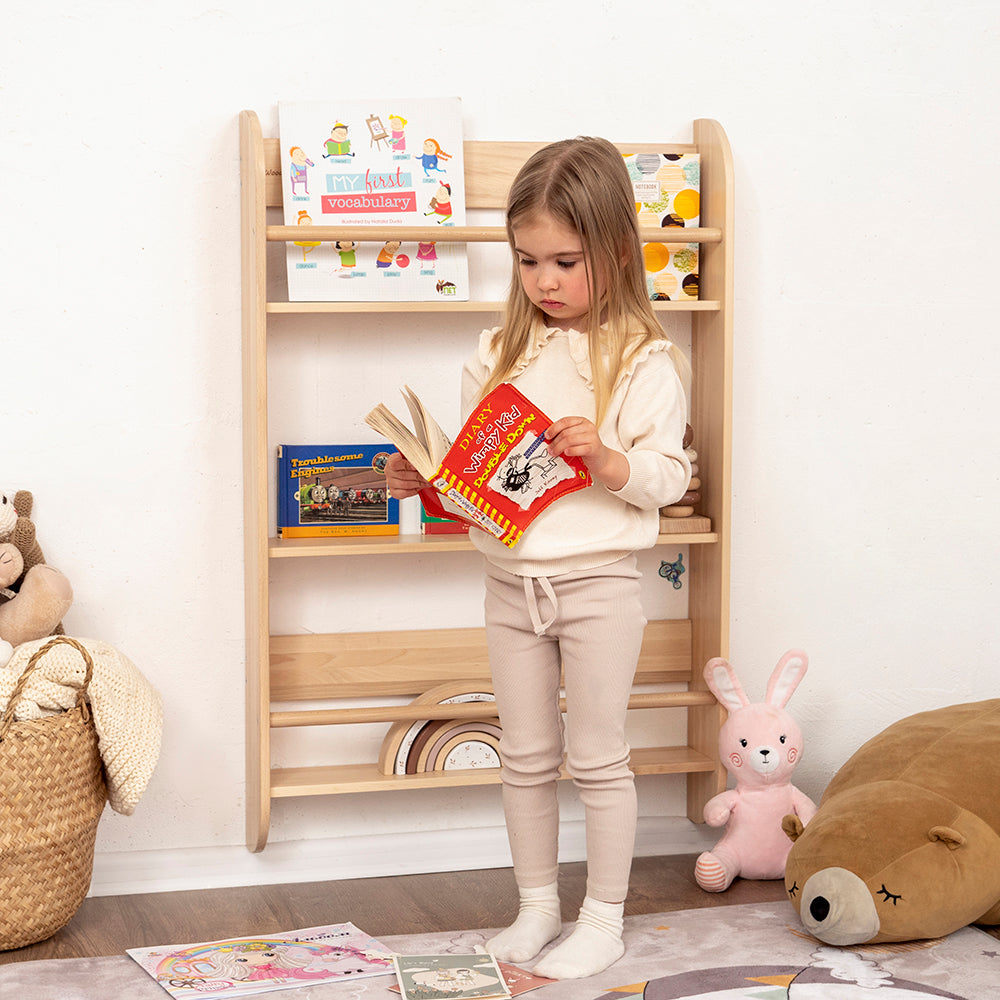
(127, 710)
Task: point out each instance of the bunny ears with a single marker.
(725, 685)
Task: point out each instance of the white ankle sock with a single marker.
(595, 943)
(539, 921)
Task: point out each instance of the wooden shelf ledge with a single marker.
(279, 308)
(693, 530)
(464, 234)
(415, 662)
(467, 710)
(343, 778)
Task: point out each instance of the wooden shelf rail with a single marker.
(466, 710)
(339, 779)
(462, 234)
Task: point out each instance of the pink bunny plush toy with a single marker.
(760, 744)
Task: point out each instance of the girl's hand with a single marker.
(578, 436)
(402, 478)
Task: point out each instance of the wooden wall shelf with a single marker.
(372, 666)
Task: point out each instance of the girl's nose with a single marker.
(548, 278)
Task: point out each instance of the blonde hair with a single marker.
(583, 184)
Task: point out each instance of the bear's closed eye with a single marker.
(794, 889)
(884, 892)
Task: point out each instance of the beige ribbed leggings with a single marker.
(592, 622)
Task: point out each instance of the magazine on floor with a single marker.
(242, 967)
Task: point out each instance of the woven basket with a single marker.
(52, 794)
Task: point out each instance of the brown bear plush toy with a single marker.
(906, 841)
(33, 596)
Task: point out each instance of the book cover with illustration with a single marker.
(463, 977)
(241, 967)
(667, 190)
(517, 980)
(334, 489)
(497, 474)
(373, 163)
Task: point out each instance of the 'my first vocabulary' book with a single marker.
(498, 474)
(360, 164)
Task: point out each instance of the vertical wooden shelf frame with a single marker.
(376, 665)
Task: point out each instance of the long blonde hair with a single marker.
(583, 184)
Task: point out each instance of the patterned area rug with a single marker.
(751, 952)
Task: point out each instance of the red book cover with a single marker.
(498, 473)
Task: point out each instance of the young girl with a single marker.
(581, 341)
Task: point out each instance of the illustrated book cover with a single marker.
(373, 163)
(241, 967)
(517, 980)
(461, 977)
(667, 190)
(333, 490)
(498, 474)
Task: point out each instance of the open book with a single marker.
(498, 474)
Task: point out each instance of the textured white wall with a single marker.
(866, 385)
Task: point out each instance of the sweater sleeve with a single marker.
(650, 426)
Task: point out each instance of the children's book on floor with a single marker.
(455, 977)
(498, 474)
(374, 163)
(242, 967)
(517, 980)
(334, 489)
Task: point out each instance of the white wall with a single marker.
(866, 386)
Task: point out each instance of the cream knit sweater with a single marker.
(127, 710)
(646, 417)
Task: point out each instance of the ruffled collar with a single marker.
(579, 350)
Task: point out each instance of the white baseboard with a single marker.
(128, 872)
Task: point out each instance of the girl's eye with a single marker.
(567, 264)
(526, 262)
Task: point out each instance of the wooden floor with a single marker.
(407, 904)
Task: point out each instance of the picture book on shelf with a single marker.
(431, 525)
(334, 489)
(463, 977)
(498, 475)
(364, 163)
(667, 194)
(241, 967)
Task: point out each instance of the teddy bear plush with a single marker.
(760, 744)
(11, 565)
(33, 595)
(16, 526)
(905, 844)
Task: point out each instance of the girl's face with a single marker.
(553, 269)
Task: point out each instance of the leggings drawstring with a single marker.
(532, 601)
